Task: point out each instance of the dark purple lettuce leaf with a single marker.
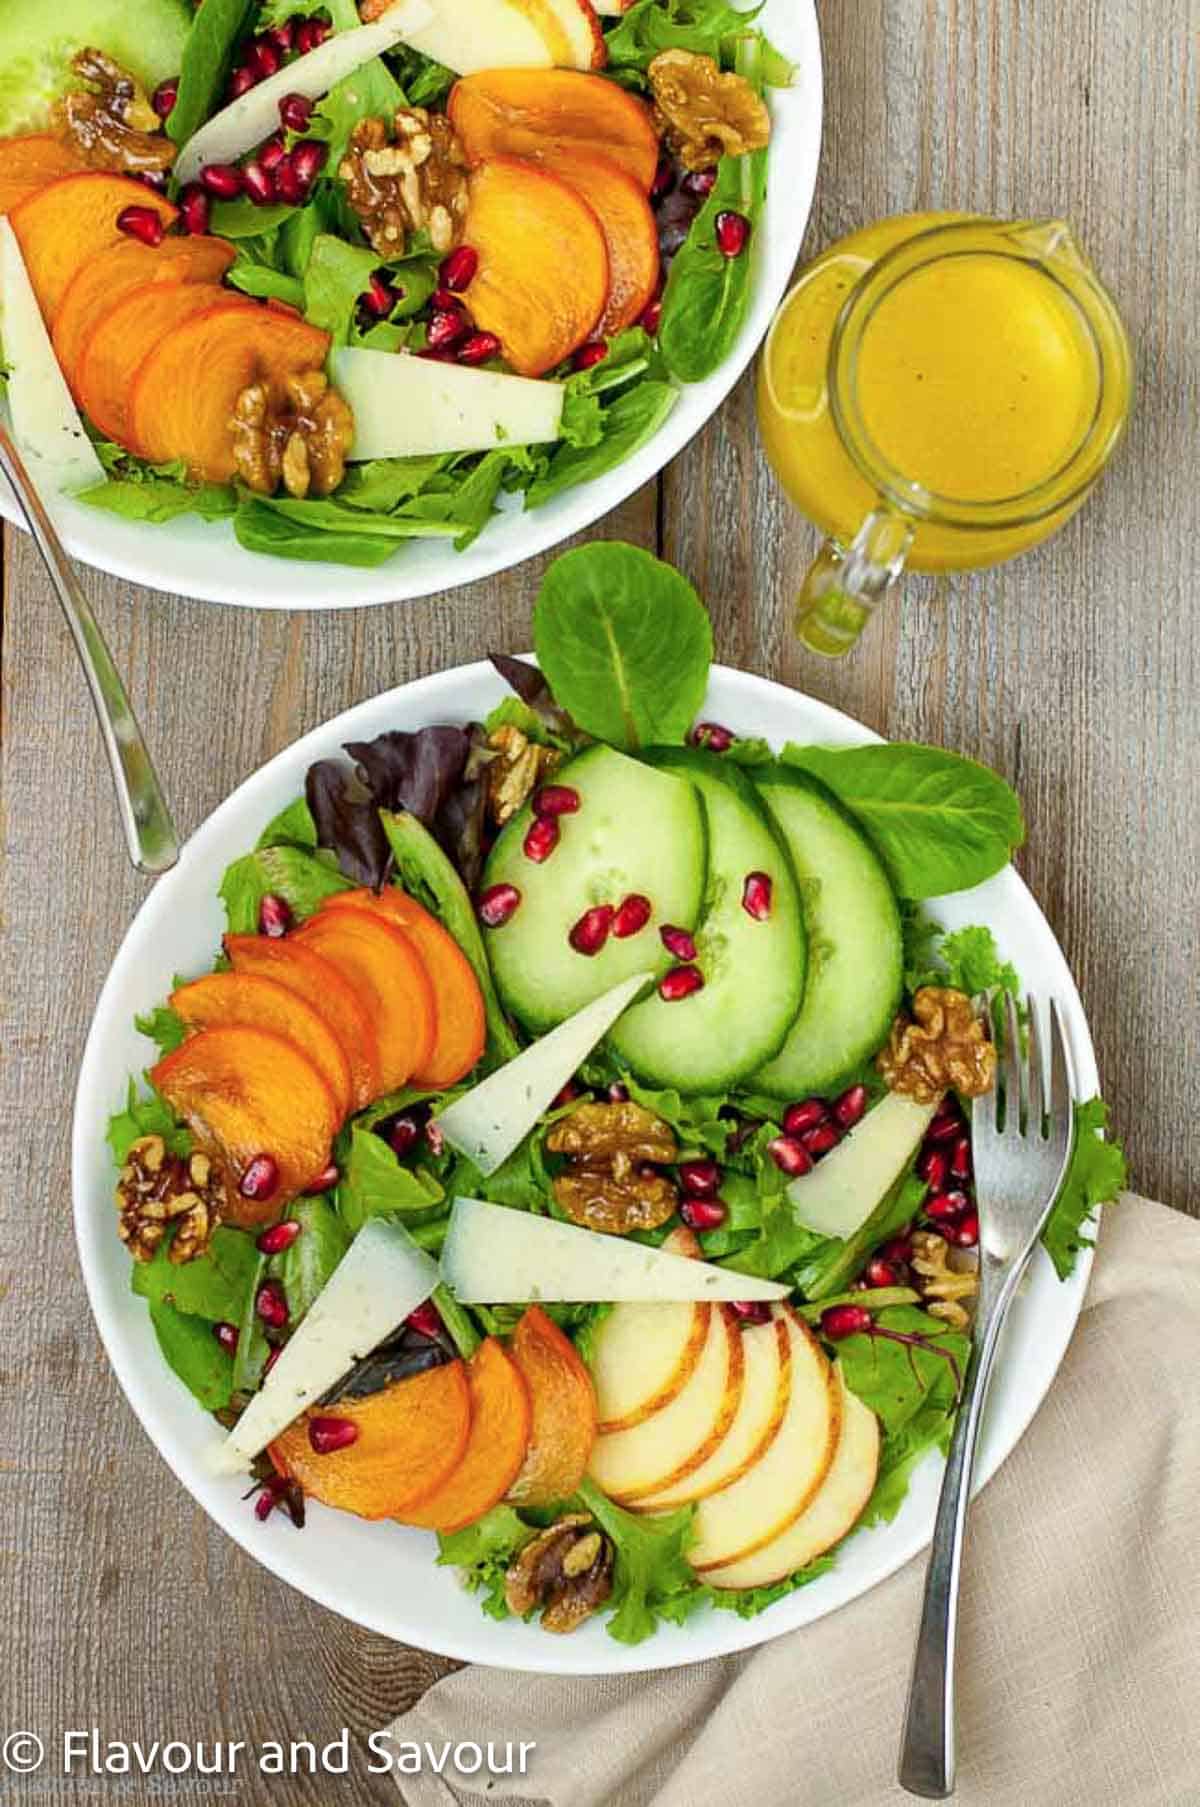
(417, 772)
(529, 684)
(347, 820)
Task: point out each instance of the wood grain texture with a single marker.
(1075, 671)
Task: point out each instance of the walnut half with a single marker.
(945, 1291)
(946, 1046)
(610, 1182)
(157, 1189)
(411, 178)
(110, 121)
(519, 766)
(298, 433)
(702, 113)
(566, 1570)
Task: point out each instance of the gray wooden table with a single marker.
(1076, 672)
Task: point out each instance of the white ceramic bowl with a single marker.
(381, 1576)
(194, 558)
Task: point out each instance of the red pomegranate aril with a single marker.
(196, 208)
(651, 316)
(703, 1213)
(593, 352)
(274, 915)
(265, 1504)
(259, 182)
(851, 1106)
(677, 941)
(274, 1356)
(446, 329)
(222, 180)
(805, 1115)
(751, 1311)
(592, 930)
(680, 982)
(821, 1139)
(271, 1305)
(457, 270)
(271, 151)
(288, 187)
(441, 299)
(404, 1135)
(282, 36)
(164, 97)
(280, 1236)
(260, 1176)
(295, 112)
(426, 1319)
(541, 838)
(733, 233)
(497, 904)
(946, 1207)
(618, 1093)
(713, 735)
(844, 1320)
(325, 1181)
(700, 182)
(556, 800)
(263, 58)
(633, 913)
(327, 1435)
(965, 1233)
(946, 1126)
(883, 1273)
(960, 1160)
(311, 35)
(700, 1178)
(479, 348)
(933, 1167)
(227, 1336)
(241, 82)
(142, 223)
(756, 896)
(308, 160)
(790, 1156)
(899, 1251)
(378, 297)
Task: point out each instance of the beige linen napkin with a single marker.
(1079, 1656)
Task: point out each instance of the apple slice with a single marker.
(563, 1427)
(754, 1510)
(836, 1197)
(501, 34)
(833, 1513)
(660, 1451)
(643, 1356)
(407, 406)
(767, 1356)
(571, 30)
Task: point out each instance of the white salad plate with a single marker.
(190, 557)
(384, 1577)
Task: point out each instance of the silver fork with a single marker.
(1021, 1137)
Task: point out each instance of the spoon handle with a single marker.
(145, 819)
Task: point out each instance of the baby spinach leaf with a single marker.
(939, 822)
(150, 1115)
(265, 283)
(215, 1286)
(375, 1184)
(160, 499)
(1096, 1175)
(384, 483)
(193, 1353)
(260, 528)
(302, 879)
(207, 56)
(335, 276)
(625, 643)
(425, 83)
(620, 430)
(707, 293)
(305, 1269)
(243, 218)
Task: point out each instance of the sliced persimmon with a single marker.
(534, 112)
(411, 1438)
(245, 1092)
(121, 340)
(64, 224)
(116, 272)
(628, 225)
(311, 977)
(542, 281)
(563, 1429)
(382, 964)
(33, 162)
(221, 999)
(500, 1423)
(461, 1020)
(185, 392)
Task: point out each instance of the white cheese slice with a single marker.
(406, 406)
(382, 1278)
(497, 1256)
(492, 1119)
(836, 1197)
(46, 427)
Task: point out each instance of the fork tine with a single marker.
(1061, 1092)
(1014, 1070)
(1034, 1069)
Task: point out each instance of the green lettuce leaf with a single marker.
(1096, 1175)
(163, 1026)
(375, 1183)
(302, 879)
(148, 1115)
(482, 1553)
(215, 1286)
(652, 1577)
(193, 1353)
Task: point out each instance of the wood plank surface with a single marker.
(1075, 671)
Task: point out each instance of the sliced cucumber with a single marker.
(855, 958)
(753, 970)
(37, 44)
(637, 831)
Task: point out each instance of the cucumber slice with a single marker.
(855, 952)
(37, 44)
(637, 831)
(753, 971)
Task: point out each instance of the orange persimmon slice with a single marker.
(564, 1411)
(628, 225)
(532, 112)
(320, 984)
(64, 224)
(111, 275)
(385, 968)
(220, 999)
(33, 162)
(500, 1422)
(123, 338)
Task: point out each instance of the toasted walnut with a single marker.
(156, 1189)
(608, 1183)
(566, 1570)
(110, 121)
(519, 766)
(945, 1047)
(944, 1290)
(702, 113)
(298, 432)
(620, 1133)
(409, 178)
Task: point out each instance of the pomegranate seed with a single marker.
(680, 982)
(756, 896)
(271, 1305)
(713, 736)
(326, 1180)
(279, 1237)
(274, 915)
(265, 1504)
(566, 1094)
(259, 182)
(664, 181)
(556, 800)
(733, 233)
(591, 931)
(282, 36)
(164, 97)
(274, 1356)
(447, 329)
(699, 182)
(227, 1336)
(882, 1273)
(593, 352)
(143, 223)
(851, 1106)
(618, 1093)
(311, 35)
(288, 187)
(821, 1139)
(844, 1320)
(751, 1311)
(803, 1116)
(271, 151)
(633, 913)
(946, 1126)
(260, 1177)
(479, 348)
(790, 1156)
(308, 160)
(946, 1207)
(196, 208)
(678, 942)
(934, 1168)
(457, 270)
(403, 1135)
(241, 82)
(435, 1139)
(703, 1213)
(426, 1318)
(497, 904)
(295, 112)
(442, 299)
(152, 178)
(701, 1178)
(330, 1434)
(651, 315)
(541, 838)
(379, 298)
(264, 59)
(223, 180)
(965, 1233)
(960, 1160)
(899, 1251)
